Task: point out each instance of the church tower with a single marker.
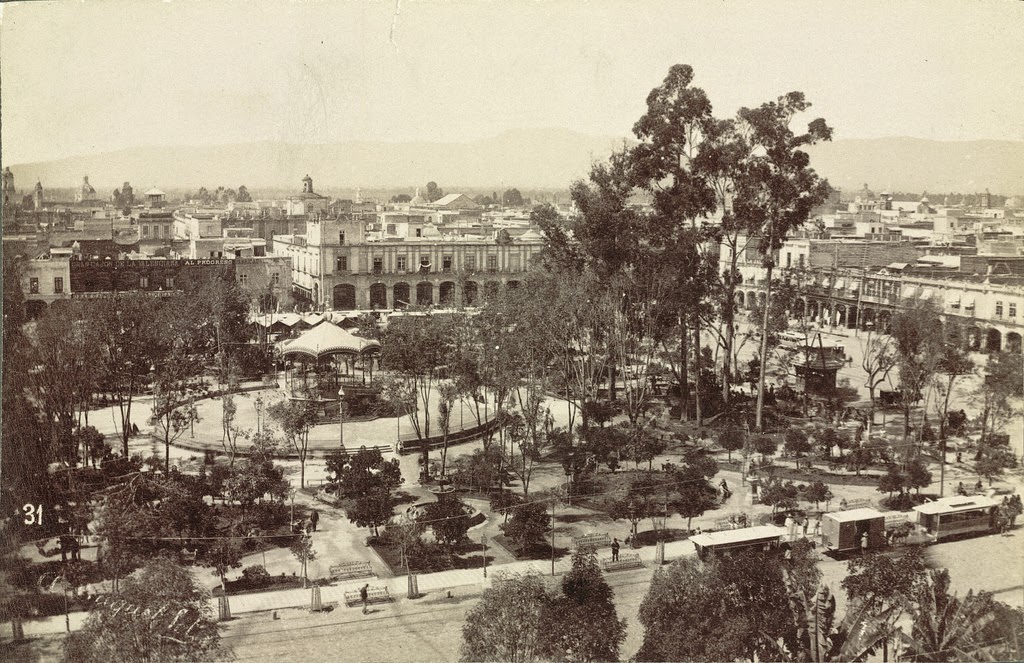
(37, 196)
(10, 193)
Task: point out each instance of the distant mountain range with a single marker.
(521, 158)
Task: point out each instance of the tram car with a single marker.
(957, 516)
(762, 537)
(845, 531)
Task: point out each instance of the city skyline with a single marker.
(220, 73)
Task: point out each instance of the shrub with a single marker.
(255, 576)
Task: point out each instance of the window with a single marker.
(378, 265)
(419, 232)
(470, 263)
(275, 278)
(800, 261)
(58, 284)
(143, 281)
(392, 229)
(999, 309)
(33, 285)
(145, 231)
(789, 259)
(446, 263)
(342, 264)
(492, 263)
(243, 279)
(169, 283)
(341, 238)
(424, 264)
(400, 263)
(1013, 310)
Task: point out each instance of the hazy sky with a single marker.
(87, 77)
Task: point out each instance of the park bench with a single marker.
(373, 595)
(625, 561)
(862, 503)
(351, 570)
(592, 541)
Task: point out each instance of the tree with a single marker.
(243, 195)
(302, 549)
(296, 419)
(947, 628)
(401, 198)
(918, 476)
(448, 520)
(434, 192)
(160, 615)
(878, 358)
(732, 608)
(732, 439)
(415, 350)
(894, 480)
(917, 332)
(512, 198)
(797, 444)
(176, 385)
(581, 625)
(818, 492)
(223, 555)
(364, 483)
(507, 624)
(1002, 387)
(995, 456)
(765, 445)
(885, 584)
(527, 526)
(446, 396)
(132, 339)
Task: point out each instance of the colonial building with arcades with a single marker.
(335, 267)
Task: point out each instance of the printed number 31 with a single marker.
(33, 514)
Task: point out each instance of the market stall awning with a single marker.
(328, 339)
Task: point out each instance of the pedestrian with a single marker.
(864, 543)
(726, 493)
(807, 522)
(615, 550)
(978, 487)
(314, 519)
(364, 595)
(842, 504)
(960, 490)
(959, 457)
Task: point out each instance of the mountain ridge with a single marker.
(537, 158)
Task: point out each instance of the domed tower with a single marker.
(37, 196)
(307, 184)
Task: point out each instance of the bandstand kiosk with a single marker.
(326, 359)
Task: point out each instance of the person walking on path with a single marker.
(314, 519)
(615, 550)
(364, 596)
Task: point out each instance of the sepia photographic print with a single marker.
(419, 331)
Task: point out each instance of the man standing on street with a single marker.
(615, 550)
(364, 595)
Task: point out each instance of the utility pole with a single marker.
(552, 536)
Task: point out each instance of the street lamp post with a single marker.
(341, 417)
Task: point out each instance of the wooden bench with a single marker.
(860, 503)
(625, 561)
(593, 541)
(373, 595)
(351, 570)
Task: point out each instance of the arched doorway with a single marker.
(840, 318)
(491, 289)
(761, 297)
(424, 293)
(993, 341)
(446, 293)
(378, 295)
(344, 297)
(973, 339)
(1013, 343)
(469, 293)
(812, 310)
(739, 299)
(800, 309)
(400, 295)
(751, 299)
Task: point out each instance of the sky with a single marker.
(100, 75)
